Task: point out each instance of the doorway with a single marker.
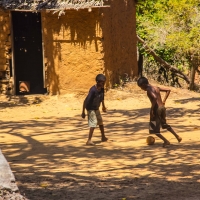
(27, 53)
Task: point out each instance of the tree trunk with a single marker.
(194, 66)
(192, 76)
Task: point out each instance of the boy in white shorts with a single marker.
(92, 103)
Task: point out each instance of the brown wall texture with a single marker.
(4, 38)
(73, 50)
(5, 50)
(119, 33)
(81, 44)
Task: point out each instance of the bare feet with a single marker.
(166, 144)
(89, 142)
(179, 139)
(104, 139)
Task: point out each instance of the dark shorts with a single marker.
(158, 121)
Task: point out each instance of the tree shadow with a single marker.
(20, 101)
(184, 101)
(75, 33)
(50, 160)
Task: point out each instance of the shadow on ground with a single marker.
(51, 161)
(184, 101)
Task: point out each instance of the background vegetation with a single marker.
(170, 30)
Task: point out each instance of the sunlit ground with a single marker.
(45, 146)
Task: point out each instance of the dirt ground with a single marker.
(43, 138)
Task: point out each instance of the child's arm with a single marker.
(83, 111)
(166, 94)
(103, 106)
(85, 103)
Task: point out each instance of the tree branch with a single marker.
(163, 62)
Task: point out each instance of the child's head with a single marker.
(142, 82)
(100, 79)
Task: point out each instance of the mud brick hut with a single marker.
(58, 46)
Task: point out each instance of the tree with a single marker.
(171, 28)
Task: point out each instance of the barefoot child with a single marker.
(92, 103)
(158, 110)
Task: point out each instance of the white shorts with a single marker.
(94, 118)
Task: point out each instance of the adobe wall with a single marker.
(81, 44)
(73, 50)
(120, 41)
(5, 50)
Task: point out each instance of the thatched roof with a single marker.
(37, 5)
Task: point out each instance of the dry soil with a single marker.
(43, 138)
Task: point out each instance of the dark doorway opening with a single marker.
(28, 54)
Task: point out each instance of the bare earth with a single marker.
(44, 143)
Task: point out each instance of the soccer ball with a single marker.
(150, 140)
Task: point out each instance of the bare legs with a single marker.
(89, 142)
(103, 137)
(173, 132)
(166, 142)
(91, 131)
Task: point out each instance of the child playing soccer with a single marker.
(158, 110)
(92, 103)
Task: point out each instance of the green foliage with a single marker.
(171, 28)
